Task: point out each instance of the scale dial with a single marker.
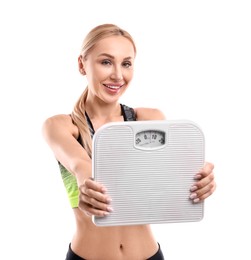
(150, 139)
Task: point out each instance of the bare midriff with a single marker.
(112, 243)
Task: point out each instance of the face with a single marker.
(109, 68)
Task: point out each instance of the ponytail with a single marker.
(79, 119)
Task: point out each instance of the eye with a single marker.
(106, 62)
(127, 64)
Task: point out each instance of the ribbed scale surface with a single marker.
(149, 186)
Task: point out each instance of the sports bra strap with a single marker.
(128, 113)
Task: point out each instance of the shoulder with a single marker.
(59, 122)
(149, 114)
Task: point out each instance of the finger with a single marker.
(203, 182)
(206, 170)
(205, 176)
(91, 184)
(97, 195)
(89, 210)
(203, 193)
(95, 203)
(94, 189)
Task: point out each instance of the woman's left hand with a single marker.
(205, 184)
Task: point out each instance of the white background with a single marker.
(193, 62)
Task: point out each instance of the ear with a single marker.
(81, 65)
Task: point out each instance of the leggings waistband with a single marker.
(158, 256)
(72, 256)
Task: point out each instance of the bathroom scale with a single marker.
(148, 168)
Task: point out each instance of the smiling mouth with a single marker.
(113, 86)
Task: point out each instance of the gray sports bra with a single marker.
(127, 112)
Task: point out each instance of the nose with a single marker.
(117, 74)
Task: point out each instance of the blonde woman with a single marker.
(107, 61)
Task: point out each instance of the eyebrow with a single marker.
(112, 57)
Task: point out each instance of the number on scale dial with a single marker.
(150, 139)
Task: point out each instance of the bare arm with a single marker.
(61, 135)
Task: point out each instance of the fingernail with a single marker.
(109, 200)
(193, 196)
(110, 209)
(193, 188)
(104, 189)
(197, 177)
(196, 200)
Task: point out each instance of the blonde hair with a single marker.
(78, 114)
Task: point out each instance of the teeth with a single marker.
(113, 87)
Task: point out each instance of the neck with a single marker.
(99, 109)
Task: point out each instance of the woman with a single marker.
(107, 61)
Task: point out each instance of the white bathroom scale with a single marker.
(148, 168)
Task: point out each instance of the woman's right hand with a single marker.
(93, 199)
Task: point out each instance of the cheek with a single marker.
(101, 72)
(128, 75)
(96, 75)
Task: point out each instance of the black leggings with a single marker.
(72, 256)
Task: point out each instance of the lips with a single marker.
(112, 86)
